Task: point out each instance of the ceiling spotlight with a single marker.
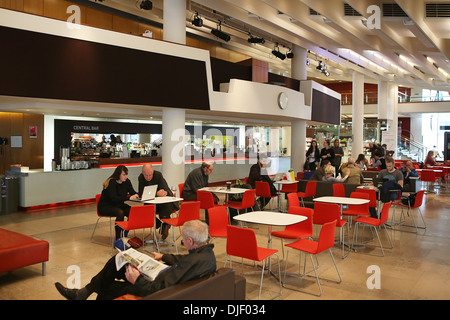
(320, 67)
(253, 39)
(276, 52)
(198, 22)
(308, 62)
(146, 5)
(289, 54)
(219, 34)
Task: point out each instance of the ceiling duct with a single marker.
(437, 10)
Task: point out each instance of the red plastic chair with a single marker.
(300, 175)
(140, 217)
(326, 212)
(263, 190)
(206, 200)
(338, 190)
(429, 176)
(358, 210)
(417, 204)
(325, 242)
(310, 191)
(218, 222)
(373, 223)
(299, 230)
(97, 199)
(189, 210)
(248, 201)
(241, 242)
(372, 197)
(293, 200)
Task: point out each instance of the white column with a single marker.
(392, 107)
(173, 120)
(174, 16)
(298, 127)
(173, 138)
(357, 114)
(382, 100)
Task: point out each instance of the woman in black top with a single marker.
(327, 152)
(312, 156)
(115, 192)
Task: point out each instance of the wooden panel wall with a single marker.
(32, 152)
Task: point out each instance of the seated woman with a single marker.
(329, 175)
(255, 174)
(361, 162)
(429, 160)
(115, 192)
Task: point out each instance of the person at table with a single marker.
(361, 162)
(151, 177)
(258, 172)
(429, 160)
(320, 173)
(355, 175)
(312, 156)
(111, 283)
(327, 152)
(197, 179)
(379, 161)
(329, 175)
(408, 172)
(116, 190)
(392, 180)
(338, 154)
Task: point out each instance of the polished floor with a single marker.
(417, 268)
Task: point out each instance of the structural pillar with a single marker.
(173, 120)
(393, 123)
(357, 114)
(298, 127)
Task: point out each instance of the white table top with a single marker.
(284, 182)
(161, 200)
(429, 169)
(367, 187)
(270, 218)
(224, 190)
(342, 200)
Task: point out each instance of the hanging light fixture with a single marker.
(276, 52)
(220, 34)
(198, 22)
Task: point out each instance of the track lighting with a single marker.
(320, 66)
(146, 5)
(276, 52)
(253, 39)
(198, 22)
(289, 54)
(220, 34)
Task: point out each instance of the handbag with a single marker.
(135, 242)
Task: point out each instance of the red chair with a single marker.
(310, 191)
(417, 204)
(325, 242)
(372, 197)
(189, 210)
(326, 212)
(97, 199)
(293, 200)
(248, 201)
(140, 217)
(241, 242)
(206, 200)
(338, 190)
(263, 190)
(374, 223)
(218, 222)
(300, 175)
(300, 230)
(429, 176)
(358, 210)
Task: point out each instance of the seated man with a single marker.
(197, 179)
(199, 262)
(150, 177)
(378, 161)
(320, 172)
(355, 175)
(392, 180)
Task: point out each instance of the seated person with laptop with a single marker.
(152, 184)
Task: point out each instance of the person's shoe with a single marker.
(165, 231)
(72, 294)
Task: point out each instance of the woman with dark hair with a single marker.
(115, 192)
(312, 156)
(362, 162)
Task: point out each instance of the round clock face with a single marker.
(283, 100)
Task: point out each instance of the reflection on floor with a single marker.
(418, 267)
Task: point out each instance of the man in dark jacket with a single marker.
(320, 172)
(199, 262)
(197, 179)
(150, 177)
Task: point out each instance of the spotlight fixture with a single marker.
(276, 52)
(289, 54)
(253, 39)
(320, 66)
(146, 5)
(220, 34)
(308, 62)
(198, 22)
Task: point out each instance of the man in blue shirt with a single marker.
(409, 171)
